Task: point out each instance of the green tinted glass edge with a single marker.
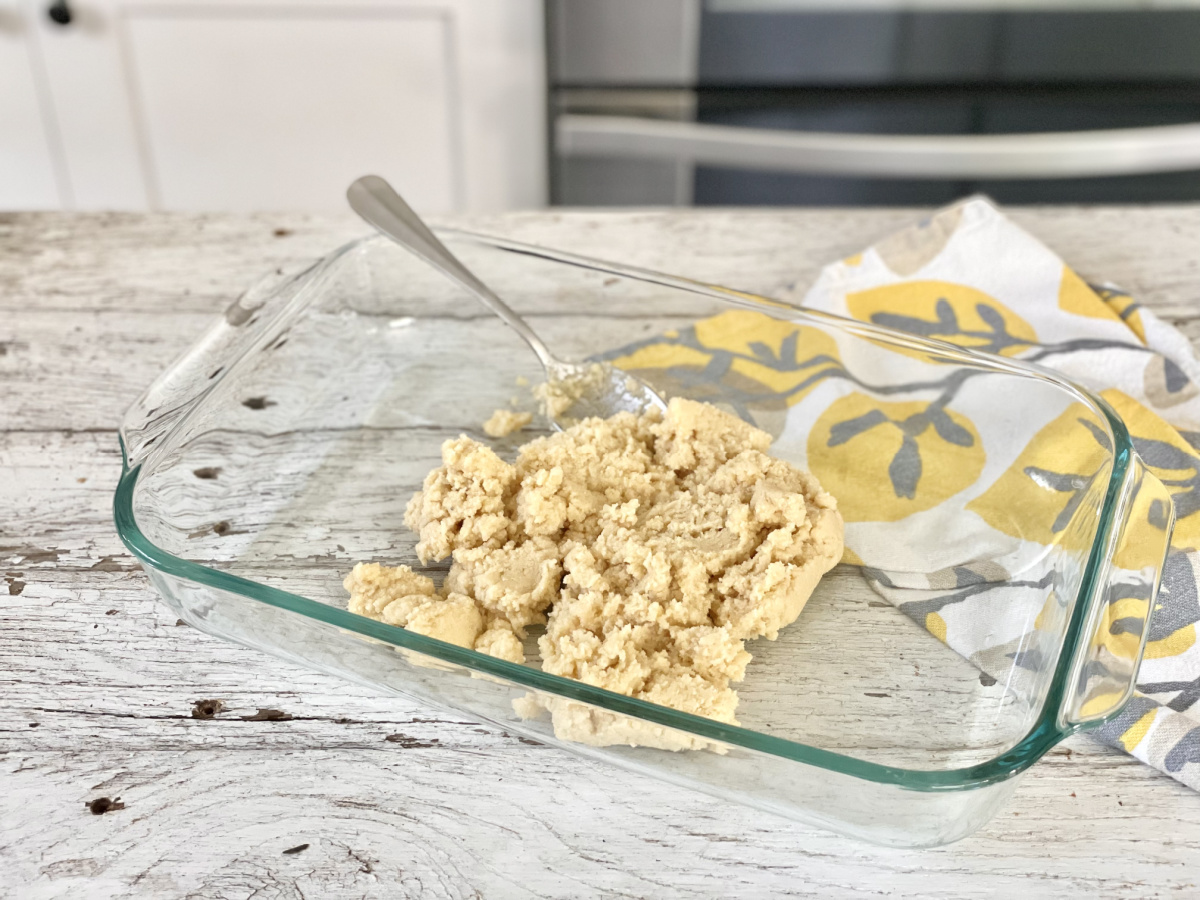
(1045, 733)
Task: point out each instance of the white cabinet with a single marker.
(234, 105)
(304, 104)
(27, 177)
(91, 106)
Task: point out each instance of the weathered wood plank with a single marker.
(456, 821)
(200, 262)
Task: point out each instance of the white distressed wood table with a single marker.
(354, 795)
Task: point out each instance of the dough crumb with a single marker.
(504, 422)
(652, 547)
(557, 395)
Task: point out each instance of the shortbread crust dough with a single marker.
(652, 547)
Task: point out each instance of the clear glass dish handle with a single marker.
(1104, 671)
(251, 318)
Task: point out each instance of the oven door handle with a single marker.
(1065, 154)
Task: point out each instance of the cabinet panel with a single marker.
(26, 168)
(270, 108)
(91, 106)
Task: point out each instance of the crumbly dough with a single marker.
(504, 422)
(652, 548)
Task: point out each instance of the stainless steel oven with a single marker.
(791, 102)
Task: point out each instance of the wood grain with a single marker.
(98, 682)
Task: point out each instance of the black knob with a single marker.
(59, 12)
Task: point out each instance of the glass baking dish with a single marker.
(282, 448)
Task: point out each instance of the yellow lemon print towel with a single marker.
(941, 459)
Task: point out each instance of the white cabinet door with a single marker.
(102, 164)
(27, 177)
(277, 110)
(280, 104)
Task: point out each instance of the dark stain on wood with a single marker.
(292, 851)
(267, 715)
(207, 709)
(15, 587)
(102, 805)
(31, 554)
(257, 403)
(207, 473)
(986, 680)
(411, 743)
(283, 232)
(220, 529)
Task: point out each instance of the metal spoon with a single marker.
(576, 390)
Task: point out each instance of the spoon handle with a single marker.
(376, 202)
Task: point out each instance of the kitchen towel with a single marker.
(969, 276)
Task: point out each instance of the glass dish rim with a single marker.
(1047, 730)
